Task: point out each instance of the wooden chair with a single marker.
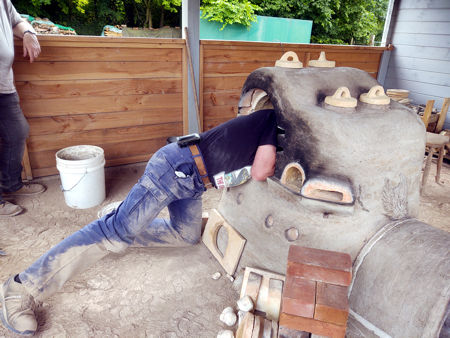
(435, 143)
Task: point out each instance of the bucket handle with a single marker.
(63, 190)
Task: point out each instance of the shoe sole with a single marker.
(12, 194)
(13, 214)
(5, 323)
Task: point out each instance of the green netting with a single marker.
(267, 29)
(28, 17)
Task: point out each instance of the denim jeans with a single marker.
(170, 179)
(13, 133)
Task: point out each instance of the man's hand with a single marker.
(31, 46)
(264, 164)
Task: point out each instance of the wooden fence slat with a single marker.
(220, 56)
(45, 159)
(66, 54)
(100, 104)
(33, 90)
(76, 123)
(94, 70)
(220, 112)
(221, 99)
(94, 137)
(213, 84)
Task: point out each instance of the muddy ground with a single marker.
(161, 292)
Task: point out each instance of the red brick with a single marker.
(322, 258)
(285, 332)
(319, 274)
(299, 297)
(311, 325)
(320, 265)
(331, 303)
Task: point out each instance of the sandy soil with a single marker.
(145, 292)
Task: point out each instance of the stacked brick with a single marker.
(315, 296)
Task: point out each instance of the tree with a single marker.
(334, 21)
(229, 11)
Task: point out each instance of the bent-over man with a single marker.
(175, 177)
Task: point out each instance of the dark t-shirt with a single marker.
(232, 145)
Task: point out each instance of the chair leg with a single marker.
(439, 162)
(427, 168)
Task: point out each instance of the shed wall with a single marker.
(420, 61)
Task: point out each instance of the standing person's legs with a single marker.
(13, 133)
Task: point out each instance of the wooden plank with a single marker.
(422, 27)
(75, 123)
(221, 99)
(201, 86)
(424, 40)
(221, 112)
(427, 113)
(114, 135)
(94, 70)
(29, 90)
(234, 68)
(102, 42)
(27, 173)
(40, 172)
(214, 84)
(438, 66)
(209, 124)
(185, 98)
(442, 115)
(422, 76)
(113, 151)
(99, 104)
(224, 56)
(63, 53)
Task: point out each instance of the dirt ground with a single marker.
(159, 292)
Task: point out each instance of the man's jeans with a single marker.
(13, 133)
(170, 179)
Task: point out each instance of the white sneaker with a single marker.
(8, 209)
(17, 312)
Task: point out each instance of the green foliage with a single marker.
(229, 11)
(334, 21)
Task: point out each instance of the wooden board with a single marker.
(235, 242)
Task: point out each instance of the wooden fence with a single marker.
(127, 95)
(124, 95)
(225, 66)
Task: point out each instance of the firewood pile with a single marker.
(45, 26)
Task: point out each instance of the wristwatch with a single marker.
(28, 31)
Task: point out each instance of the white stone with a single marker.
(245, 304)
(225, 334)
(216, 275)
(228, 318)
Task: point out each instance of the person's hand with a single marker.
(31, 46)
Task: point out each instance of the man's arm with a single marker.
(26, 32)
(264, 164)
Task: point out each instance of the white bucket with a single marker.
(82, 173)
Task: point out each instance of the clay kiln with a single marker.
(347, 179)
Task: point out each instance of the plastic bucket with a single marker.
(82, 173)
